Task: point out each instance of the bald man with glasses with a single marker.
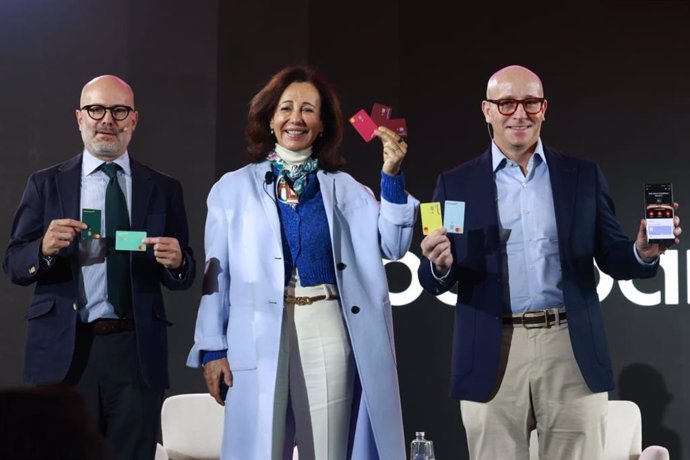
(529, 348)
(97, 319)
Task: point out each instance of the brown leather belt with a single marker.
(538, 318)
(307, 300)
(110, 326)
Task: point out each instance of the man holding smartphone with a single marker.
(529, 347)
(97, 320)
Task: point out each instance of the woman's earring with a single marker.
(271, 131)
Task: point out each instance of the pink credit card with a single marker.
(364, 125)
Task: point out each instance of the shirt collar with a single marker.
(90, 163)
(498, 160)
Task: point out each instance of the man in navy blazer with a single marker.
(529, 347)
(117, 357)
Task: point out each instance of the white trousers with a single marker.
(542, 388)
(315, 378)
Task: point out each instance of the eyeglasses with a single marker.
(118, 112)
(532, 105)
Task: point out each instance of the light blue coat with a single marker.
(242, 305)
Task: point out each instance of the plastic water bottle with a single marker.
(420, 448)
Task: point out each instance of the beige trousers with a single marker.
(541, 387)
(316, 372)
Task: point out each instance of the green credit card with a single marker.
(92, 219)
(129, 241)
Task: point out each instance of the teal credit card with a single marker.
(129, 241)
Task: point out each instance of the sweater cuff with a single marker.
(207, 356)
(393, 188)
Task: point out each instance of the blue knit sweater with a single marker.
(306, 239)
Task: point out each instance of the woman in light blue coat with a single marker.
(295, 316)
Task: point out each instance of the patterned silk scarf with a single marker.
(296, 173)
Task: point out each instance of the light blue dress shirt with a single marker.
(531, 264)
(93, 284)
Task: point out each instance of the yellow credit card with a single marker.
(431, 216)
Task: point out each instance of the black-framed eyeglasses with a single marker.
(531, 105)
(118, 112)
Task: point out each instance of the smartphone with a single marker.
(658, 203)
(223, 390)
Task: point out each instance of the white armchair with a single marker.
(192, 427)
(623, 436)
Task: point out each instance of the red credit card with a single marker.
(399, 125)
(364, 125)
(380, 113)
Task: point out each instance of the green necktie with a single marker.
(116, 218)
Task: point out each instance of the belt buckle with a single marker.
(303, 300)
(298, 300)
(535, 314)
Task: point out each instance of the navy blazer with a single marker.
(587, 230)
(54, 193)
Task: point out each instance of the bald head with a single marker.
(107, 84)
(104, 136)
(515, 108)
(514, 75)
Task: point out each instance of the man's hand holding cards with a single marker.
(167, 251)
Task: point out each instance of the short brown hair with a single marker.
(263, 105)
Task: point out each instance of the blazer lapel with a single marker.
(563, 176)
(142, 187)
(484, 186)
(267, 196)
(327, 187)
(68, 185)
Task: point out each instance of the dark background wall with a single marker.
(615, 74)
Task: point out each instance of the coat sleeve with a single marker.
(214, 308)
(396, 227)
(177, 227)
(614, 252)
(21, 262)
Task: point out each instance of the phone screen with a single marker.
(659, 213)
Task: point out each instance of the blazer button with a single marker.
(340, 266)
(32, 270)
(355, 309)
(74, 306)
